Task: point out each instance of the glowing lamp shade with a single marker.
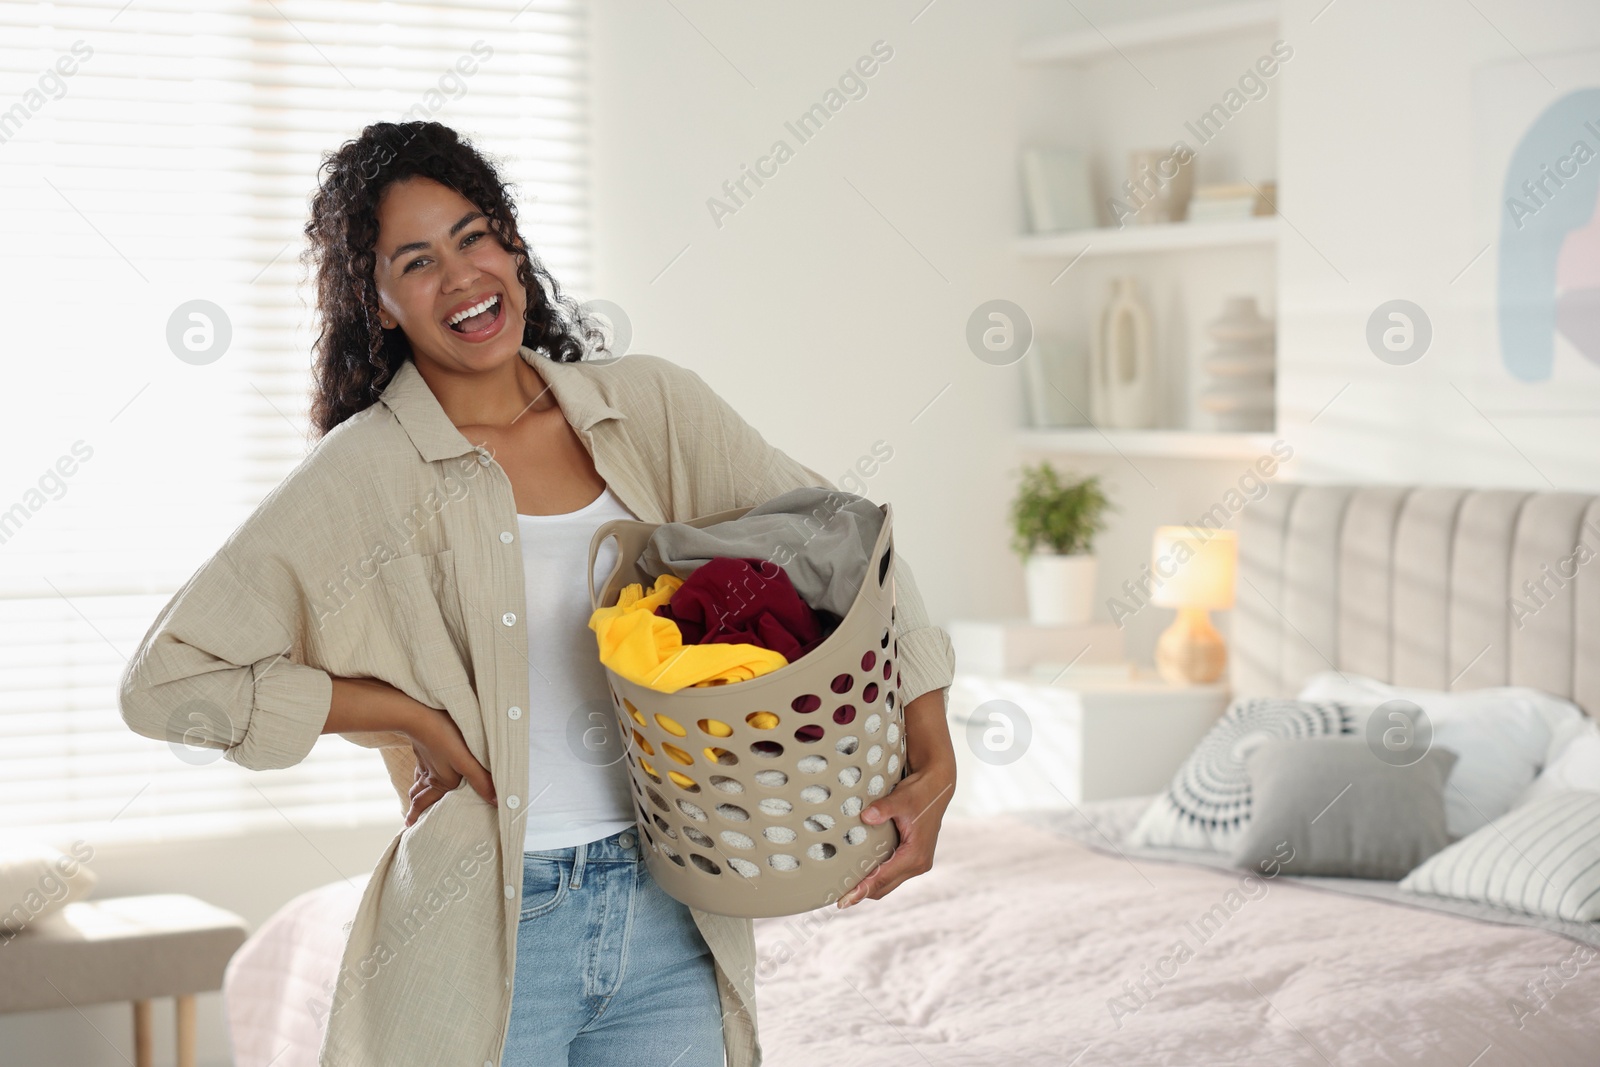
(1194, 572)
(1191, 572)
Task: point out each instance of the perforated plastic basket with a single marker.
(757, 815)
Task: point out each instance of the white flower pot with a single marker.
(1060, 589)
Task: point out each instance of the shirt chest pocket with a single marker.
(424, 615)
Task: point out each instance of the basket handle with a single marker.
(611, 528)
(632, 536)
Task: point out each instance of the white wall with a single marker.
(830, 309)
(1387, 176)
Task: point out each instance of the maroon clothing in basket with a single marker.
(746, 602)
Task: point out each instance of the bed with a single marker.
(1045, 936)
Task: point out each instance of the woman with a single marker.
(417, 584)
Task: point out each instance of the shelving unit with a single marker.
(1155, 237)
(1086, 45)
(1187, 271)
(1178, 444)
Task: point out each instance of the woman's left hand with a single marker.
(918, 802)
(917, 807)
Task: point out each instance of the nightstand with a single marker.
(1022, 742)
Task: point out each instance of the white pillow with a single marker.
(1543, 859)
(1502, 737)
(1576, 765)
(36, 880)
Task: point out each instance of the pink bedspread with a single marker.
(279, 985)
(1021, 947)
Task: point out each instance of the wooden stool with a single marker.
(123, 949)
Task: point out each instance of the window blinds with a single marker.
(153, 156)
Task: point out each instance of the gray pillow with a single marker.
(1207, 806)
(1329, 806)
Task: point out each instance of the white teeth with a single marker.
(476, 309)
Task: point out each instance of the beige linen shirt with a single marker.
(391, 552)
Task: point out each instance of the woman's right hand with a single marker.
(370, 707)
(443, 760)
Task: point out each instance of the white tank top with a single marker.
(577, 777)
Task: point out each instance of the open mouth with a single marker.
(480, 319)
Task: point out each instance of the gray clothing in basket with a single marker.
(822, 539)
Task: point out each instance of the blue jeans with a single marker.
(611, 970)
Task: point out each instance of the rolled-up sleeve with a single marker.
(760, 471)
(217, 669)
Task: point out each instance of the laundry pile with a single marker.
(722, 610)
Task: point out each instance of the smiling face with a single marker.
(444, 279)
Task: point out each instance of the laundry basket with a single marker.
(748, 818)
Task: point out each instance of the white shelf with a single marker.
(1150, 237)
(1082, 46)
(1182, 444)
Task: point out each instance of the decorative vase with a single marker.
(1122, 367)
(1160, 184)
(1242, 368)
(1060, 588)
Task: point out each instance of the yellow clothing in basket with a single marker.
(647, 649)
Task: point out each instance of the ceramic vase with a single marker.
(1241, 368)
(1122, 364)
(1159, 186)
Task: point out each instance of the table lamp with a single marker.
(1194, 572)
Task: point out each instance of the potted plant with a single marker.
(1055, 525)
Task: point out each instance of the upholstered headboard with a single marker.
(1430, 587)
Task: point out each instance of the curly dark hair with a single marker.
(354, 356)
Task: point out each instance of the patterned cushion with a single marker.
(1208, 803)
(1542, 858)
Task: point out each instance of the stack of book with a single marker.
(1239, 200)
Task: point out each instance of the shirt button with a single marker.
(514, 711)
(483, 457)
(511, 891)
(513, 802)
(505, 537)
(509, 618)
(626, 840)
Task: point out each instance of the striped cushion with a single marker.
(1542, 858)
